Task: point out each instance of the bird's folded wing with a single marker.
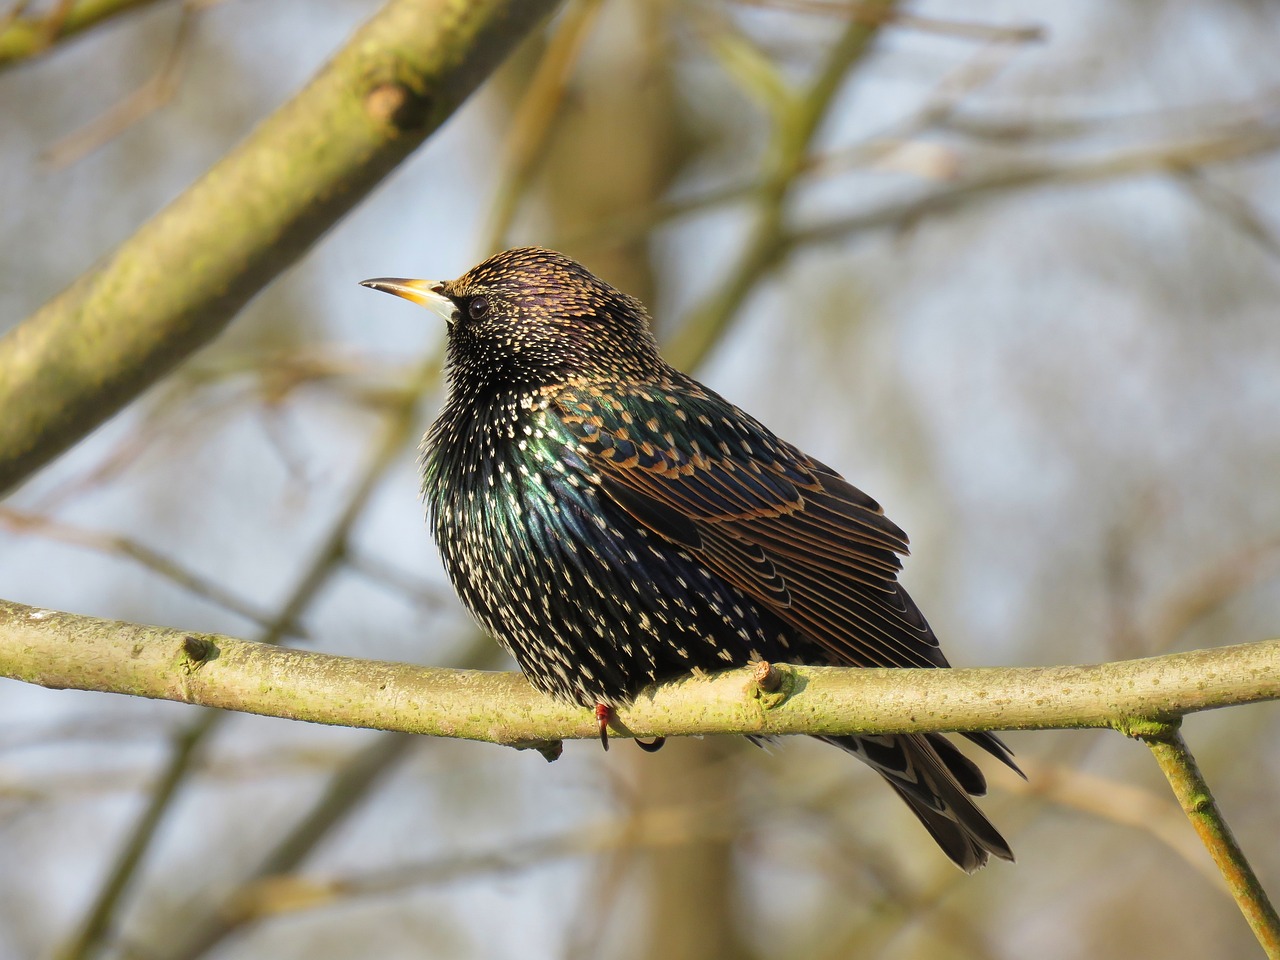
(781, 527)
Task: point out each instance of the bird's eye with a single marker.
(478, 308)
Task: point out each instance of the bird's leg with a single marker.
(604, 713)
(604, 716)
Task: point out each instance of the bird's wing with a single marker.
(783, 528)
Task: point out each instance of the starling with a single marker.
(614, 523)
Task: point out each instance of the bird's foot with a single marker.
(604, 713)
(605, 716)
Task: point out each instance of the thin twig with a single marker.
(533, 119)
(155, 92)
(279, 894)
(871, 13)
(1225, 146)
(121, 546)
(1233, 208)
(1208, 589)
(381, 571)
(1192, 791)
(349, 785)
(98, 920)
(793, 136)
(92, 931)
(1116, 802)
(25, 38)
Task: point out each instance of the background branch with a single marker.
(25, 37)
(180, 279)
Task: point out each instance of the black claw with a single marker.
(653, 746)
(604, 713)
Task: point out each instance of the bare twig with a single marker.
(1110, 800)
(349, 785)
(381, 571)
(1233, 208)
(154, 93)
(1208, 589)
(96, 923)
(95, 926)
(283, 893)
(794, 133)
(872, 13)
(1223, 146)
(24, 38)
(159, 564)
(1192, 791)
(532, 122)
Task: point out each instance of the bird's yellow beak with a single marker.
(425, 293)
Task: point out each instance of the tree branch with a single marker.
(179, 280)
(63, 650)
(796, 121)
(23, 38)
(1227, 145)
(1196, 800)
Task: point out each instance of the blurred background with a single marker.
(1015, 276)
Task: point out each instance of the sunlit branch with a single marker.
(64, 650)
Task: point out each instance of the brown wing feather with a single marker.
(783, 528)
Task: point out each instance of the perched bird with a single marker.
(614, 523)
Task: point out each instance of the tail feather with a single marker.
(937, 781)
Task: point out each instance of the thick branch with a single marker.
(177, 282)
(67, 650)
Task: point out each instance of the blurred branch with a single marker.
(154, 93)
(1210, 588)
(347, 788)
(1001, 127)
(1189, 786)
(22, 38)
(180, 279)
(184, 751)
(874, 13)
(1111, 800)
(1247, 135)
(414, 589)
(401, 417)
(1233, 208)
(1221, 147)
(666, 826)
(157, 563)
(63, 650)
(794, 133)
(531, 124)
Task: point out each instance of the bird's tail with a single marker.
(937, 782)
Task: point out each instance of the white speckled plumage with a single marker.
(613, 523)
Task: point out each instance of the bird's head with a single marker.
(531, 317)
